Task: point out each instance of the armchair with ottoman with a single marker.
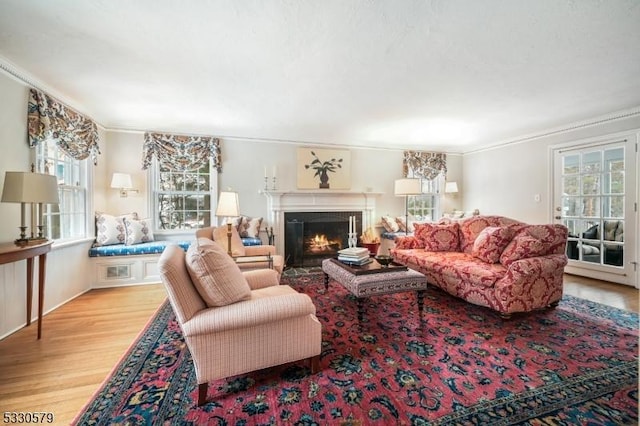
(235, 322)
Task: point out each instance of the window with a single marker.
(423, 208)
(182, 200)
(68, 219)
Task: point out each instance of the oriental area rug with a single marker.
(460, 365)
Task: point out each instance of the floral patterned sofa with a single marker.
(491, 261)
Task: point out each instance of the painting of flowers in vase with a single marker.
(324, 168)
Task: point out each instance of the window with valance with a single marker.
(182, 178)
(72, 132)
(431, 167)
(62, 139)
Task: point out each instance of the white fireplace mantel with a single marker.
(280, 202)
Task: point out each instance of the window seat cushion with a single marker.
(392, 235)
(152, 247)
(251, 241)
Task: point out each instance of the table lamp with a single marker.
(36, 189)
(228, 206)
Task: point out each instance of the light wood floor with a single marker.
(83, 340)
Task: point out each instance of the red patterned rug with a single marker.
(462, 364)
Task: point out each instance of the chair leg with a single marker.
(315, 364)
(202, 393)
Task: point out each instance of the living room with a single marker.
(509, 174)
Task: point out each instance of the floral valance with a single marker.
(73, 133)
(181, 152)
(425, 165)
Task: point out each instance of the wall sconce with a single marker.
(122, 181)
(36, 189)
(451, 187)
(228, 206)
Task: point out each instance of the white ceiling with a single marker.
(447, 75)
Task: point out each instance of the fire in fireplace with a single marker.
(310, 237)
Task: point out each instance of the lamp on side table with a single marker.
(228, 206)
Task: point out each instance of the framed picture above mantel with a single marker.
(320, 168)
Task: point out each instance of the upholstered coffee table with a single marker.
(373, 279)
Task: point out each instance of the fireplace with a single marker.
(310, 237)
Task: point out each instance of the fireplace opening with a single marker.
(310, 237)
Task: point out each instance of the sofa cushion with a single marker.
(215, 275)
(220, 236)
(471, 227)
(521, 247)
(138, 231)
(491, 242)
(438, 237)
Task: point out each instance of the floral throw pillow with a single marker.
(522, 247)
(110, 229)
(390, 224)
(250, 227)
(438, 237)
(138, 231)
(491, 242)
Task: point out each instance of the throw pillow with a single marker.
(220, 236)
(389, 224)
(138, 231)
(110, 229)
(438, 237)
(250, 227)
(521, 247)
(491, 242)
(215, 275)
(402, 226)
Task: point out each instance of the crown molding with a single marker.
(592, 122)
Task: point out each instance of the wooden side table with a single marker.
(10, 253)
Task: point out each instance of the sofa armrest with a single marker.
(261, 278)
(259, 250)
(526, 273)
(249, 313)
(408, 242)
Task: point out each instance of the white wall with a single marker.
(504, 181)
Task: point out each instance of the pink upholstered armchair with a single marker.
(238, 250)
(269, 325)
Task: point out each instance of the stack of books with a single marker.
(354, 256)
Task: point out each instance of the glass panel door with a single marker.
(592, 190)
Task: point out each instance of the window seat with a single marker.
(121, 265)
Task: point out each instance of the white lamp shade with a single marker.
(407, 186)
(29, 187)
(121, 181)
(228, 204)
(451, 187)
